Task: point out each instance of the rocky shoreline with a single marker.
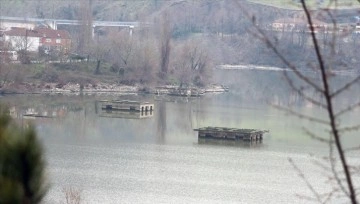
(75, 88)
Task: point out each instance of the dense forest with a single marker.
(181, 41)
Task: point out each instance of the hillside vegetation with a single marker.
(181, 41)
(294, 4)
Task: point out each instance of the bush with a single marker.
(24, 57)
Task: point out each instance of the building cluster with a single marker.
(33, 39)
(300, 24)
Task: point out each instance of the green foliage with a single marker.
(22, 165)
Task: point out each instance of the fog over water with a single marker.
(159, 159)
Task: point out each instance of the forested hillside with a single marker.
(182, 40)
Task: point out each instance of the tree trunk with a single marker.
(97, 69)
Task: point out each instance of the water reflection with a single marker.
(126, 114)
(76, 118)
(161, 156)
(172, 122)
(124, 109)
(231, 143)
(161, 122)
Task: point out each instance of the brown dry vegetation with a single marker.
(34, 77)
(180, 43)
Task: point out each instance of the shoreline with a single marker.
(105, 88)
(68, 88)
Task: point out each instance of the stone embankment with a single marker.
(74, 88)
(34, 88)
(88, 88)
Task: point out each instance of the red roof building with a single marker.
(54, 39)
(39, 37)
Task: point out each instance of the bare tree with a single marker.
(24, 43)
(165, 46)
(122, 51)
(161, 122)
(133, 57)
(191, 64)
(86, 30)
(99, 50)
(148, 61)
(324, 65)
(4, 64)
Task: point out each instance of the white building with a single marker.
(23, 39)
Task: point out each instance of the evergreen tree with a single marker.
(22, 165)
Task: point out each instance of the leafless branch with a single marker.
(315, 137)
(307, 198)
(327, 94)
(301, 93)
(288, 63)
(353, 149)
(347, 109)
(344, 177)
(345, 87)
(302, 176)
(262, 36)
(330, 195)
(302, 116)
(354, 168)
(321, 165)
(333, 169)
(349, 128)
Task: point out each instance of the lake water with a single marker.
(159, 159)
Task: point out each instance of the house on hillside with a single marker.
(22, 39)
(297, 24)
(54, 39)
(39, 38)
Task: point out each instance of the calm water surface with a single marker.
(159, 159)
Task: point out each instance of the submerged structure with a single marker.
(124, 109)
(230, 133)
(126, 105)
(126, 114)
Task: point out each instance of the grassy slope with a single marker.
(59, 73)
(289, 4)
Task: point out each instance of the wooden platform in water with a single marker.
(125, 105)
(126, 114)
(230, 133)
(34, 116)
